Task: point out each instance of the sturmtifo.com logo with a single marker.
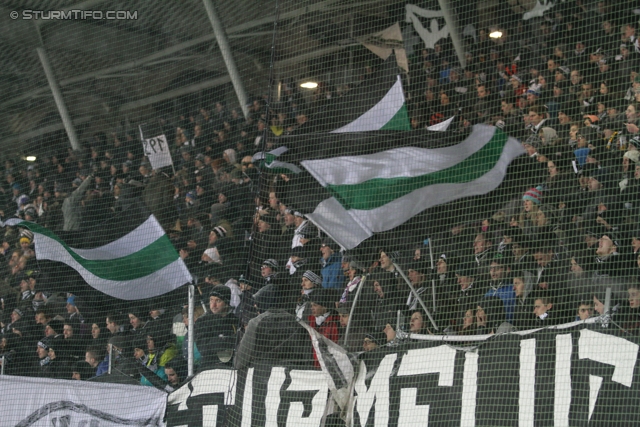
(74, 14)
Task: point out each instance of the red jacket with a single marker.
(328, 329)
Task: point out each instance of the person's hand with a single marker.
(389, 332)
(183, 254)
(632, 128)
(544, 285)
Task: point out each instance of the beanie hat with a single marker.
(222, 292)
(322, 297)
(534, 195)
(44, 343)
(56, 325)
(533, 141)
(71, 300)
(331, 244)
(19, 312)
(138, 312)
(31, 211)
(26, 233)
(25, 240)
(120, 341)
(271, 263)
(298, 251)
(191, 195)
(220, 231)
(313, 277)
(633, 155)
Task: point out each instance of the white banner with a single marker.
(156, 149)
(42, 402)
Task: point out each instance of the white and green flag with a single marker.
(389, 113)
(141, 264)
(377, 192)
(269, 160)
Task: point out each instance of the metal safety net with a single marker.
(319, 213)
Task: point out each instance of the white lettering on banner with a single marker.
(562, 395)
(247, 399)
(157, 151)
(469, 390)
(210, 416)
(308, 381)
(436, 360)
(598, 347)
(207, 382)
(272, 400)
(378, 391)
(526, 398)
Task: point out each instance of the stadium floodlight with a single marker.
(30, 158)
(309, 85)
(495, 34)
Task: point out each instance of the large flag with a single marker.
(377, 192)
(141, 264)
(378, 103)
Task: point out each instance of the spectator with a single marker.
(332, 277)
(214, 332)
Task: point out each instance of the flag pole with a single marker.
(191, 296)
(353, 306)
(415, 294)
(433, 280)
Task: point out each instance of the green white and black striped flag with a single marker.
(377, 103)
(141, 264)
(389, 113)
(377, 192)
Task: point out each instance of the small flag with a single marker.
(378, 103)
(275, 166)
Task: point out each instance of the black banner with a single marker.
(583, 375)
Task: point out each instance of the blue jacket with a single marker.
(332, 276)
(508, 297)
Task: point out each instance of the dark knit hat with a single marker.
(533, 141)
(56, 325)
(331, 244)
(222, 292)
(322, 297)
(139, 312)
(121, 341)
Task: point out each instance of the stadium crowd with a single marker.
(566, 86)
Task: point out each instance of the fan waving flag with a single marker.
(377, 192)
(378, 103)
(141, 264)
